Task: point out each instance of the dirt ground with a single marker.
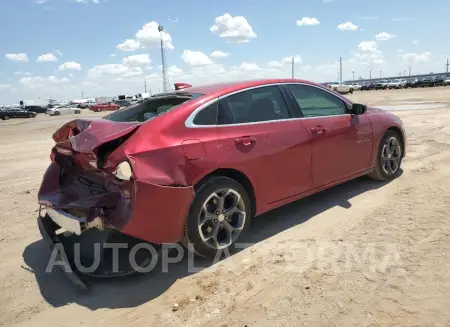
(361, 254)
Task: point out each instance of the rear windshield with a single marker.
(151, 107)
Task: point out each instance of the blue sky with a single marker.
(81, 42)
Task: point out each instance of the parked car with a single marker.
(196, 165)
(6, 114)
(437, 80)
(63, 110)
(123, 103)
(397, 84)
(381, 84)
(411, 82)
(447, 81)
(340, 87)
(104, 106)
(367, 86)
(425, 81)
(36, 109)
(356, 86)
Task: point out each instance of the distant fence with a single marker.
(373, 79)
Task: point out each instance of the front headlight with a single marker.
(123, 171)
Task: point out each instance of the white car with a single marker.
(63, 110)
(447, 81)
(341, 87)
(356, 86)
(397, 84)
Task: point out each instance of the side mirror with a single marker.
(358, 109)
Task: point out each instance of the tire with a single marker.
(387, 172)
(56, 113)
(5, 117)
(195, 239)
(77, 112)
(30, 116)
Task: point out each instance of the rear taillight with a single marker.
(123, 171)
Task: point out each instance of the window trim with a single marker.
(189, 122)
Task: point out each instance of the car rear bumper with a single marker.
(48, 228)
(150, 212)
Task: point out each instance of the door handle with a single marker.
(245, 140)
(318, 129)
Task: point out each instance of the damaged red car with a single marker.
(197, 164)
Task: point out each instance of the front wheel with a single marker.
(56, 113)
(77, 112)
(5, 117)
(389, 157)
(220, 213)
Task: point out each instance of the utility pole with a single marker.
(292, 67)
(340, 69)
(409, 70)
(82, 94)
(446, 65)
(338, 77)
(163, 61)
(353, 73)
(381, 72)
(370, 73)
(145, 86)
(404, 72)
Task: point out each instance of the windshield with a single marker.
(151, 107)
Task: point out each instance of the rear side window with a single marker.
(256, 105)
(150, 108)
(207, 116)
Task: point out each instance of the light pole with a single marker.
(409, 70)
(370, 73)
(353, 73)
(381, 72)
(404, 72)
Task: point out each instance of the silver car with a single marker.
(63, 110)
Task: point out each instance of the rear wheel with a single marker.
(77, 112)
(220, 213)
(30, 116)
(389, 157)
(5, 117)
(56, 113)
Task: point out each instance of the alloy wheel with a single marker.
(391, 156)
(222, 218)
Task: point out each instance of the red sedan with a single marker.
(104, 107)
(197, 164)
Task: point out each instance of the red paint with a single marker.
(104, 106)
(283, 160)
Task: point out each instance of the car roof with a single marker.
(218, 89)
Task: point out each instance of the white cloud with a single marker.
(413, 58)
(307, 21)
(137, 60)
(384, 36)
(234, 29)
(59, 53)
(174, 71)
(368, 46)
(249, 67)
(5, 87)
(87, 1)
(129, 45)
(348, 26)
(17, 57)
(112, 55)
(70, 65)
(136, 71)
(42, 82)
(371, 18)
(173, 20)
(48, 57)
(195, 58)
(416, 41)
(22, 73)
(41, 2)
(284, 61)
(149, 35)
(219, 54)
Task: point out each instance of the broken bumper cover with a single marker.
(150, 212)
(48, 229)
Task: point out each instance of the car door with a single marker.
(257, 136)
(341, 143)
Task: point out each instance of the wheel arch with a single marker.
(238, 176)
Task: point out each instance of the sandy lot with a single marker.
(361, 254)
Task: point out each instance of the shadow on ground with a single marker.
(133, 291)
